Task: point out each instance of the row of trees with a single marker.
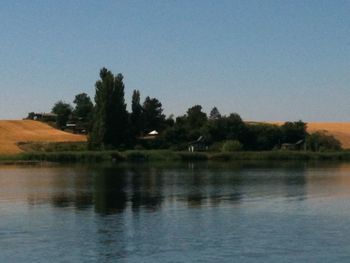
(217, 129)
(82, 113)
(113, 126)
(110, 125)
(108, 122)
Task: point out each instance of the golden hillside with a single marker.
(340, 130)
(13, 132)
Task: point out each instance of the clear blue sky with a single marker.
(266, 60)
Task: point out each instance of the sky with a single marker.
(266, 60)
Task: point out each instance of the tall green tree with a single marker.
(63, 111)
(110, 115)
(83, 107)
(153, 116)
(214, 114)
(322, 141)
(136, 114)
(294, 131)
(263, 136)
(196, 118)
(229, 127)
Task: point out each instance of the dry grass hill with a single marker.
(340, 130)
(13, 132)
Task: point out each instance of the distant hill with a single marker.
(13, 132)
(340, 130)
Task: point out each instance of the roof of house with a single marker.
(200, 139)
(154, 132)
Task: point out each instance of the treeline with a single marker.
(111, 126)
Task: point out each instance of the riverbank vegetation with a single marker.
(171, 156)
(110, 127)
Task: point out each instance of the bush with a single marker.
(216, 147)
(138, 147)
(321, 142)
(192, 156)
(231, 146)
(73, 157)
(136, 156)
(151, 155)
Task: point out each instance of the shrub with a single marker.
(321, 142)
(216, 147)
(231, 146)
(136, 156)
(193, 156)
(138, 147)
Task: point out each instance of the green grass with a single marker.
(279, 156)
(53, 146)
(151, 155)
(167, 155)
(72, 157)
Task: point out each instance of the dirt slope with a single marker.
(340, 130)
(12, 132)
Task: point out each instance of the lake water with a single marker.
(196, 212)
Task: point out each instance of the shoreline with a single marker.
(168, 155)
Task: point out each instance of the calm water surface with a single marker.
(242, 212)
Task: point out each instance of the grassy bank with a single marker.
(166, 155)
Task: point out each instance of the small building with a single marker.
(78, 128)
(43, 116)
(150, 136)
(71, 125)
(153, 133)
(198, 145)
(299, 145)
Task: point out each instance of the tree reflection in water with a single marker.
(114, 188)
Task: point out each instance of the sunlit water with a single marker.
(243, 212)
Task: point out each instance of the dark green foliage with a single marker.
(193, 156)
(63, 111)
(294, 131)
(214, 114)
(153, 117)
(170, 122)
(153, 155)
(321, 141)
(264, 156)
(226, 128)
(113, 127)
(136, 118)
(196, 118)
(264, 137)
(231, 146)
(31, 116)
(235, 127)
(190, 130)
(73, 157)
(161, 155)
(186, 128)
(110, 127)
(175, 135)
(217, 129)
(84, 107)
(136, 156)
